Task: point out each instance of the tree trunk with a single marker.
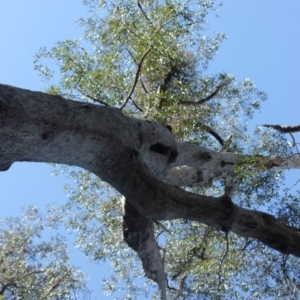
(139, 158)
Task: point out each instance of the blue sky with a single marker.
(263, 44)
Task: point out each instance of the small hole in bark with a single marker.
(159, 148)
(45, 136)
(204, 155)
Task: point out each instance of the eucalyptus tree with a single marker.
(34, 269)
(171, 139)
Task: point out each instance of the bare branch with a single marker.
(93, 98)
(141, 9)
(163, 227)
(138, 233)
(284, 129)
(147, 94)
(212, 132)
(295, 183)
(137, 107)
(201, 101)
(227, 143)
(135, 79)
(4, 288)
(181, 286)
(144, 87)
(131, 55)
(224, 255)
(35, 127)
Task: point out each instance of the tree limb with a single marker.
(284, 129)
(119, 149)
(96, 100)
(201, 101)
(141, 9)
(137, 107)
(135, 79)
(138, 233)
(212, 132)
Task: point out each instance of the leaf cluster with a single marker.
(31, 268)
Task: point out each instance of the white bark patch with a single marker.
(196, 165)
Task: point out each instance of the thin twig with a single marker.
(93, 98)
(147, 94)
(130, 54)
(294, 144)
(241, 250)
(144, 87)
(181, 286)
(208, 230)
(141, 9)
(137, 107)
(227, 143)
(136, 35)
(294, 184)
(222, 260)
(168, 285)
(201, 101)
(135, 79)
(55, 285)
(297, 148)
(293, 138)
(284, 266)
(163, 227)
(147, 110)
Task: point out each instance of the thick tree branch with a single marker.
(138, 233)
(132, 155)
(284, 129)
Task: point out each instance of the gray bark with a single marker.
(139, 158)
(284, 129)
(138, 233)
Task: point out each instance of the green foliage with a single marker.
(103, 66)
(34, 269)
(164, 45)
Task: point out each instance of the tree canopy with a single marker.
(162, 121)
(34, 269)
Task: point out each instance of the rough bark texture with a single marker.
(138, 233)
(140, 159)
